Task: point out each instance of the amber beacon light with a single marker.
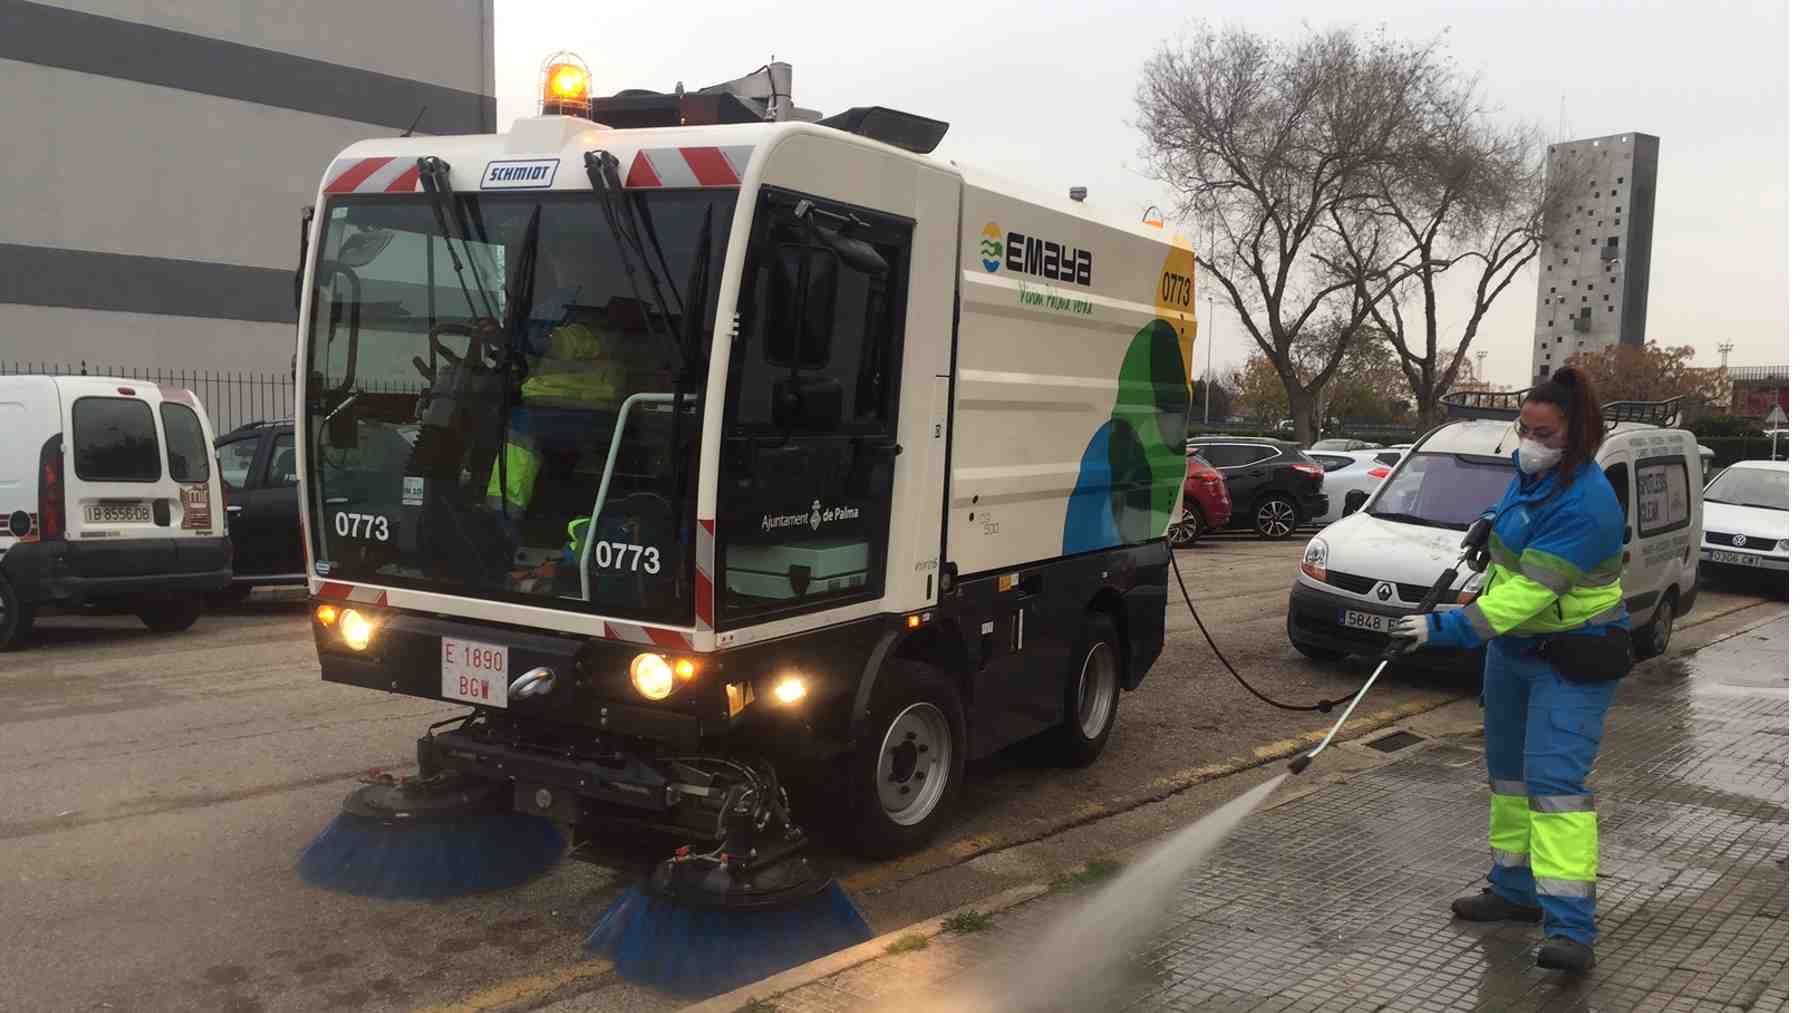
(565, 85)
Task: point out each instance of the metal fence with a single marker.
(232, 398)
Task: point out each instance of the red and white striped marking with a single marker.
(703, 576)
(611, 629)
(373, 175)
(353, 592)
(689, 167)
(649, 636)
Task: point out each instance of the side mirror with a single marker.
(802, 307)
(1354, 500)
(340, 429)
(858, 256)
(809, 403)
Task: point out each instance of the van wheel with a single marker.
(1653, 639)
(170, 615)
(1276, 517)
(908, 766)
(1091, 701)
(16, 618)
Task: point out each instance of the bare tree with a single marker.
(1460, 193)
(1268, 144)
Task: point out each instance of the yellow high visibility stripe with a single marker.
(1565, 846)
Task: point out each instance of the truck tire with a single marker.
(1091, 699)
(1276, 517)
(170, 614)
(16, 618)
(1653, 639)
(908, 766)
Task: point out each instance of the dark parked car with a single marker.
(1274, 488)
(1205, 503)
(262, 506)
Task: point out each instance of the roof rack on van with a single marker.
(1662, 414)
(1483, 404)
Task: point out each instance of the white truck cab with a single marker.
(107, 494)
(1361, 574)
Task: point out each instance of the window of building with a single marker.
(1621, 179)
(1618, 209)
(1615, 221)
(1559, 341)
(1578, 232)
(1565, 262)
(1615, 193)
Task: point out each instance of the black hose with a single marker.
(1323, 706)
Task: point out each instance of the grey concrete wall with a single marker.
(160, 152)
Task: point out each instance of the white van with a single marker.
(1362, 573)
(107, 496)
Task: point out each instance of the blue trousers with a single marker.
(1543, 732)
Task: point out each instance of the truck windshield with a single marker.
(1442, 490)
(504, 403)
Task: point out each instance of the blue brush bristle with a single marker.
(655, 942)
(361, 856)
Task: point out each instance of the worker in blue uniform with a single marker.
(1556, 550)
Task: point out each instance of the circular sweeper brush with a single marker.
(710, 922)
(429, 838)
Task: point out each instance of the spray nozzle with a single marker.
(1299, 763)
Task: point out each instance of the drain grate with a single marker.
(1395, 742)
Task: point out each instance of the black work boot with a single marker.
(1488, 906)
(1560, 954)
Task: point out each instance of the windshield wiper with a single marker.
(518, 312)
(434, 178)
(603, 177)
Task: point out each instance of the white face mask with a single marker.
(1534, 457)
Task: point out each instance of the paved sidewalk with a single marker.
(1338, 899)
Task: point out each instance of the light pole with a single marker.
(1207, 376)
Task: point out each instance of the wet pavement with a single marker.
(1338, 899)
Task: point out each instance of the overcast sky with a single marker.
(1045, 95)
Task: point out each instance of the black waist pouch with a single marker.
(1589, 658)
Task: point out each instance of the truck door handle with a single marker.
(234, 509)
(886, 449)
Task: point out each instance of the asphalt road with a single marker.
(154, 791)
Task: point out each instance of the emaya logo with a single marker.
(991, 247)
(1039, 258)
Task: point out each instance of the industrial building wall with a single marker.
(159, 153)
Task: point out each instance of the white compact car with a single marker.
(1362, 574)
(1348, 471)
(107, 495)
(1747, 518)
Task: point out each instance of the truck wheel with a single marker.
(1186, 529)
(908, 767)
(1276, 517)
(1091, 703)
(16, 618)
(171, 614)
(1653, 639)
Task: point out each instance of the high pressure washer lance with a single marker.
(1474, 556)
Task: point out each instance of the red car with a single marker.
(1205, 505)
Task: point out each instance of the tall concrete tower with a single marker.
(1594, 267)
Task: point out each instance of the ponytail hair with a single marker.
(1571, 392)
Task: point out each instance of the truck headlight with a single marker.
(356, 628)
(652, 676)
(1312, 563)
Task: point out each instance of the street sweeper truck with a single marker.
(703, 446)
